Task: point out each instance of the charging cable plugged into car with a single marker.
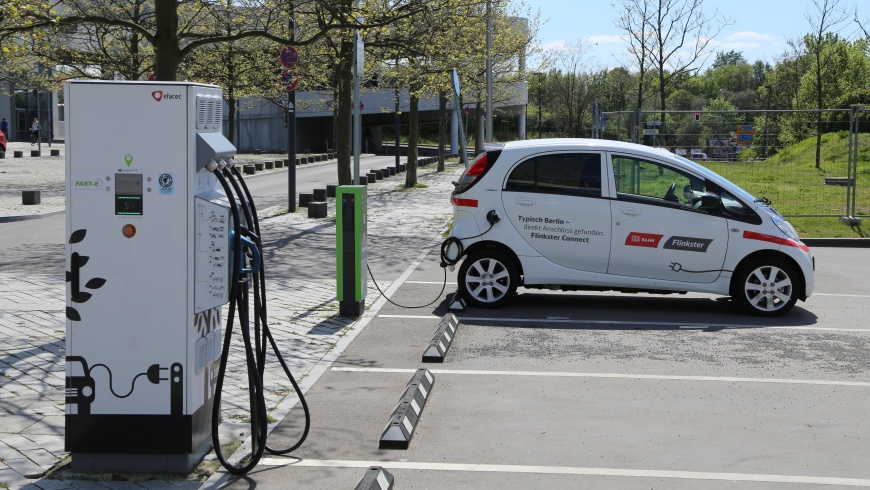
(452, 249)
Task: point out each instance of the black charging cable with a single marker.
(443, 287)
(257, 409)
(491, 217)
(267, 334)
(255, 349)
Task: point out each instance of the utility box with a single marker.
(350, 249)
(148, 268)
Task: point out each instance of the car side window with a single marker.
(644, 181)
(558, 173)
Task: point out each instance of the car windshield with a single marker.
(735, 189)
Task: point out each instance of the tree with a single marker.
(680, 36)
(177, 28)
(827, 15)
(572, 89)
(728, 58)
(634, 19)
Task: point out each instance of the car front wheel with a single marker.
(488, 279)
(766, 287)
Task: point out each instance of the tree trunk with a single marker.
(664, 141)
(231, 115)
(343, 112)
(442, 129)
(413, 136)
(478, 141)
(167, 54)
(819, 103)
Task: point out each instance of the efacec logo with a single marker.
(159, 95)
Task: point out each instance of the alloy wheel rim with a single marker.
(768, 288)
(487, 280)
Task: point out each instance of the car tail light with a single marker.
(478, 169)
(468, 203)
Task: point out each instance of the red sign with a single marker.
(649, 240)
(289, 56)
(152, 78)
(289, 79)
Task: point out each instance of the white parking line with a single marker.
(565, 374)
(682, 325)
(569, 470)
(430, 282)
(831, 294)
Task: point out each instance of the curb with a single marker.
(403, 421)
(442, 340)
(26, 217)
(376, 478)
(837, 242)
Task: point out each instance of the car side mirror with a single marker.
(710, 201)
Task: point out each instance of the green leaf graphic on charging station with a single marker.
(128, 159)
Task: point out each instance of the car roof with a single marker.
(549, 144)
(528, 147)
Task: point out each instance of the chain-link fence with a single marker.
(768, 153)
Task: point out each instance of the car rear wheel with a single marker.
(488, 279)
(766, 287)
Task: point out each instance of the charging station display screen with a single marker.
(128, 194)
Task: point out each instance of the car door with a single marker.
(659, 228)
(554, 201)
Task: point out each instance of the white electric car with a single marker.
(581, 214)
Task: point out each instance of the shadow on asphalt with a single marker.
(719, 312)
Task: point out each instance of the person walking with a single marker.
(4, 127)
(34, 131)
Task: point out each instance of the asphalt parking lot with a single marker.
(595, 390)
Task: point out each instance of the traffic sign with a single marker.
(289, 56)
(289, 79)
(467, 110)
(152, 78)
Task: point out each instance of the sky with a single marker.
(759, 30)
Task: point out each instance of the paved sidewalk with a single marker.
(302, 313)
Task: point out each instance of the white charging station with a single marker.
(148, 268)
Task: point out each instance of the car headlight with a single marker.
(784, 226)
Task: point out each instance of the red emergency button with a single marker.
(128, 230)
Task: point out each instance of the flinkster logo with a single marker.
(648, 240)
(688, 243)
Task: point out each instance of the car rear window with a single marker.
(558, 173)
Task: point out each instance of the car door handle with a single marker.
(630, 211)
(525, 201)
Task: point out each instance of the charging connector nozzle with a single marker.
(211, 166)
(492, 217)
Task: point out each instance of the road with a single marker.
(601, 390)
(270, 189)
(38, 246)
